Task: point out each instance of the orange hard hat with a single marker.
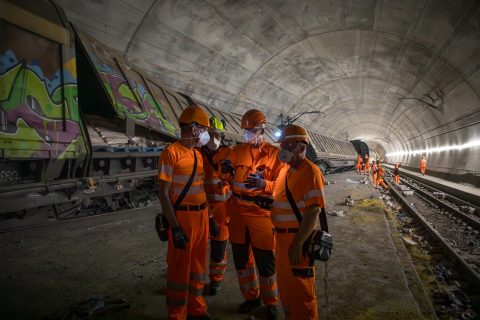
(253, 118)
(194, 115)
(293, 133)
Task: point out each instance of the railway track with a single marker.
(451, 228)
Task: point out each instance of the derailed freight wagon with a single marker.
(81, 129)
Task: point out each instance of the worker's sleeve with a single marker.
(166, 163)
(276, 168)
(314, 192)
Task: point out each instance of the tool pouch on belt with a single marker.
(319, 244)
(161, 222)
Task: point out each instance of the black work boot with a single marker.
(272, 312)
(212, 288)
(248, 305)
(206, 316)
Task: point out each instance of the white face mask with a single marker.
(286, 156)
(204, 137)
(250, 137)
(213, 144)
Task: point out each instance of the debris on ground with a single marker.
(339, 213)
(90, 308)
(330, 182)
(408, 241)
(349, 201)
(439, 195)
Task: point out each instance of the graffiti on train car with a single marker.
(131, 98)
(31, 111)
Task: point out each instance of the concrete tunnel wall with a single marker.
(351, 59)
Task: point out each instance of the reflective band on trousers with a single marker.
(246, 272)
(200, 277)
(270, 293)
(195, 291)
(218, 264)
(217, 271)
(267, 281)
(248, 286)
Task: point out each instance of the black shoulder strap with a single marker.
(292, 202)
(189, 182)
(322, 216)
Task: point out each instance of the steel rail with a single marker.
(471, 273)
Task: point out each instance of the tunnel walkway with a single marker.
(49, 268)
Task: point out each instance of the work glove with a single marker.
(213, 226)
(254, 181)
(179, 238)
(227, 167)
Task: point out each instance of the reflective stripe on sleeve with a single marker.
(286, 205)
(166, 169)
(314, 193)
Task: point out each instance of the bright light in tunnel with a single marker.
(471, 144)
(278, 134)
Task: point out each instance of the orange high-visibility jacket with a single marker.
(306, 184)
(367, 162)
(217, 189)
(359, 160)
(247, 160)
(423, 164)
(175, 165)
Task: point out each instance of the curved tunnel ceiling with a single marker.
(352, 59)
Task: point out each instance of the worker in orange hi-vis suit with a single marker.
(380, 176)
(180, 172)
(295, 271)
(423, 165)
(396, 173)
(359, 164)
(255, 167)
(374, 172)
(218, 192)
(366, 167)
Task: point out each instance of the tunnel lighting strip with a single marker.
(471, 144)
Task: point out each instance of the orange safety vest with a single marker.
(246, 159)
(423, 164)
(305, 192)
(359, 161)
(217, 190)
(367, 162)
(175, 165)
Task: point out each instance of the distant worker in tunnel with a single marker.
(255, 167)
(366, 167)
(184, 204)
(218, 192)
(423, 165)
(301, 183)
(396, 173)
(374, 172)
(380, 176)
(359, 164)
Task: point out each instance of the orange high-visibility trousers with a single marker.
(218, 244)
(374, 176)
(382, 183)
(186, 267)
(297, 292)
(253, 243)
(397, 179)
(423, 169)
(359, 168)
